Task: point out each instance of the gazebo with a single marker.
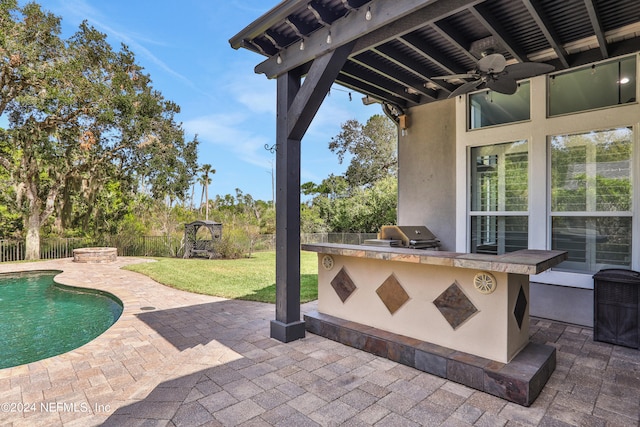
(201, 247)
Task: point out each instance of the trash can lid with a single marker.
(618, 274)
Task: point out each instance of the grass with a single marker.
(246, 278)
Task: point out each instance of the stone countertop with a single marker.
(526, 261)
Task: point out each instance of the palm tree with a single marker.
(193, 181)
(203, 183)
(193, 190)
(205, 180)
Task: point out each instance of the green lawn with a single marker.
(246, 278)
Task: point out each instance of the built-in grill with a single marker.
(408, 236)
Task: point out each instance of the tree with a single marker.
(10, 218)
(205, 180)
(365, 198)
(80, 115)
(332, 187)
(366, 210)
(373, 148)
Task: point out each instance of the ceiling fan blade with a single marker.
(494, 63)
(457, 76)
(523, 70)
(464, 88)
(504, 84)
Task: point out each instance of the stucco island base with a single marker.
(426, 310)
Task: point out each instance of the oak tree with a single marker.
(372, 148)
(80, 115)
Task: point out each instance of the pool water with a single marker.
(40, 318)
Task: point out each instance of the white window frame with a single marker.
(591, 200)
(537, 131)
(501, 189)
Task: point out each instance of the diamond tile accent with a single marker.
(392, 294)
(455, 306)
(521, 307)
(343, 285)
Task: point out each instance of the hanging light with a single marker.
(279, 59)
(368, 15)
(302, 44)
(329, 37)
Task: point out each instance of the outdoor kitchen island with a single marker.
(461, 316)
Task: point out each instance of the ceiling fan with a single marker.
(492, 72)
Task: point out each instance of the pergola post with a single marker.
(297, 104)
(287, 326)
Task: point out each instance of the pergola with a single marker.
(391, 51)
(206, 247)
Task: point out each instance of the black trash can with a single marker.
(616, 302)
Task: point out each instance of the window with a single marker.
(591, 198)
(597, 86)
(489, 108)
(499, 198)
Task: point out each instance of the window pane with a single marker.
(591, 172)
(598, 86)
(489, 108)
(499, 177)
(499, 234)
(593, 242)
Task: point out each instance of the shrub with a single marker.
(233, 244)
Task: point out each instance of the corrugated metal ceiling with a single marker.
(398, 69)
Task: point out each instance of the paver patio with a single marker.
(200, 360)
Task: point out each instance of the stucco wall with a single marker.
(567, 304)
(426, 177)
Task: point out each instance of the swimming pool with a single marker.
(40, 318)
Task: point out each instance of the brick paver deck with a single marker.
(199, 360)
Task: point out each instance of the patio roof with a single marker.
(400, 46)
(392, 51)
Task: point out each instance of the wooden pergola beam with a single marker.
(297, 105)
(385, 24)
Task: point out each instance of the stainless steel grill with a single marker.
(408, 236)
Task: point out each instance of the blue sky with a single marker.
(184, 47)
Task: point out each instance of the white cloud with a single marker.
(253, 91)
(256, 9)
(79, 10)
(228, 130)
(336, 109)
